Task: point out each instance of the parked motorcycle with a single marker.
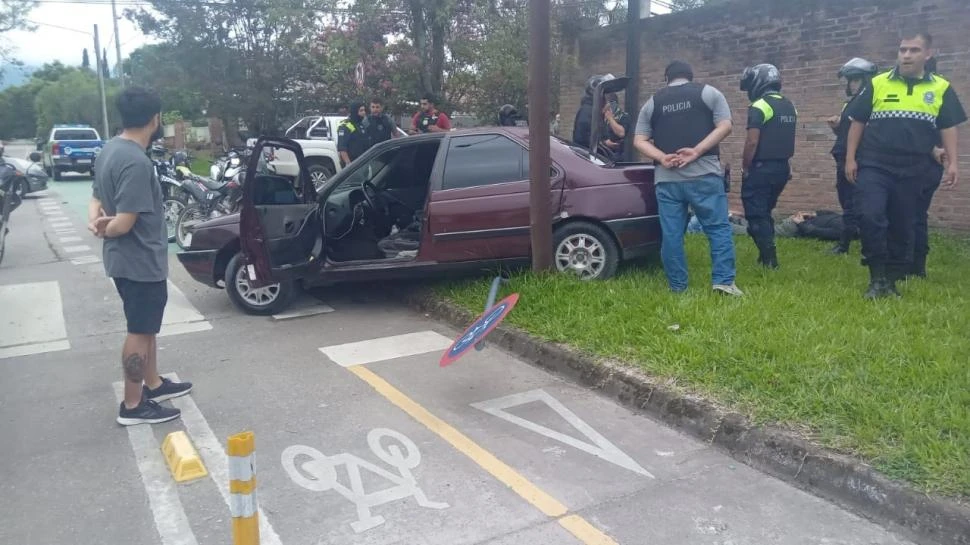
(9, 199)
(212, 198)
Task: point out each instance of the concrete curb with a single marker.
(841, 479)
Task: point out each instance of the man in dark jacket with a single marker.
(351, 142)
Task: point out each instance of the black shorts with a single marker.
(144, 304)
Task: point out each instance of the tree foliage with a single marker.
(74, 98)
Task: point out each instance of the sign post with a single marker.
(359, 75)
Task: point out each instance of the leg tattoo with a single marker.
(134, 365)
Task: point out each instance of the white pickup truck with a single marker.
(317, 136)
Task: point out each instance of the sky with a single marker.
(65, 27)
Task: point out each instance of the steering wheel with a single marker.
(373, 196)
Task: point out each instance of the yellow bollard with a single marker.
(242, 489)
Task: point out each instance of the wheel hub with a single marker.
(582, 255)
(259, 297)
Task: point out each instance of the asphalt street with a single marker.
(361, 438)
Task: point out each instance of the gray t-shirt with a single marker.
(703, 166)
(125, 182)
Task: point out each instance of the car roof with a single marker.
(73, 127)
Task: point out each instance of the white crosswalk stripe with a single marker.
(33, 319)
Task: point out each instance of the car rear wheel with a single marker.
(585, 250)
(264, 301)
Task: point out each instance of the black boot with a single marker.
(880, 285)
(768, 257)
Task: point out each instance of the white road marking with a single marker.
(307, 306)
(601, 447)
(58, 219)
(47, 200)
(86, 260)
(64, 240)
(163, 497)
(33, 319)
(214, 455)
(77, 249)
(66, 230)
(319, 474)
(61, 223)
(386, 348)
(180, 315)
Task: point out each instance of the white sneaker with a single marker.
(729, 289)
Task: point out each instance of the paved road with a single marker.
(360, 437)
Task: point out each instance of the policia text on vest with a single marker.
(768, 150)
(901, 120)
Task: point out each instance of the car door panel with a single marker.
(280, 228)
(485, 221)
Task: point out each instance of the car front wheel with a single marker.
(585, 250)
(319, 173)
(264, 301)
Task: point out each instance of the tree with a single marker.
(13, 16)
(159, 67)
(240, 56)
(73, 98)
(18, 118)
(85, 60)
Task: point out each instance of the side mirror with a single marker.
(35, 156)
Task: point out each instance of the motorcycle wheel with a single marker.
(190, 216)
(173, 208)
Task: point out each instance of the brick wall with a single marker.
(808, 40)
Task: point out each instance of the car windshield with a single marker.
(580, 151)
(75, 134)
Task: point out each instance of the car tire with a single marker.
(320, 172)
(57, 174)
(249, 302)
(586, 250)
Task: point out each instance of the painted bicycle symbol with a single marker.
(319, 474)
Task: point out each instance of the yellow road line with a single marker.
(550, 506)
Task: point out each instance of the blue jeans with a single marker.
(707, 198)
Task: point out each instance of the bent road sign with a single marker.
(481, 327)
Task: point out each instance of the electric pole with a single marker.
(637, 10)
(104, 106)
(114, 19)
(540, 214)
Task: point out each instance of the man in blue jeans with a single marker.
(680, 128)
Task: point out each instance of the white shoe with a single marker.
(729, 289)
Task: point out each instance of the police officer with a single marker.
(507, 116)
(931, 182)
(857, 74)
(583, 123)
(615, 128)
(378, 126)
(680, 128)
(768, 147)
(351, 142)
(907, 110)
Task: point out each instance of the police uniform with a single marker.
(904, 118)
(844, 188)
(350, 138)
(768, 175)
(377, 129)
(921, 229)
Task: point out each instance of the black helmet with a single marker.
(595, 81)
(758, 80)
(180, 158)
(857, 69)
(507, 115)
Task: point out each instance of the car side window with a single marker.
(482, 159)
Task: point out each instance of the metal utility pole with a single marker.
(104, 105)
(540, 213)
(114, 19)
(637, 10)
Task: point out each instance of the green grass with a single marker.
(887, 381)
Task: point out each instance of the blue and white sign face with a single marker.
(481, 327)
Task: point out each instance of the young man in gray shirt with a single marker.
(680, 128)
(126, 211)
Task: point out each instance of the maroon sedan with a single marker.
(440, 203)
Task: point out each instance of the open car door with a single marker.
(280, 229)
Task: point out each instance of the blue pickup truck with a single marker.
(71, 148)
